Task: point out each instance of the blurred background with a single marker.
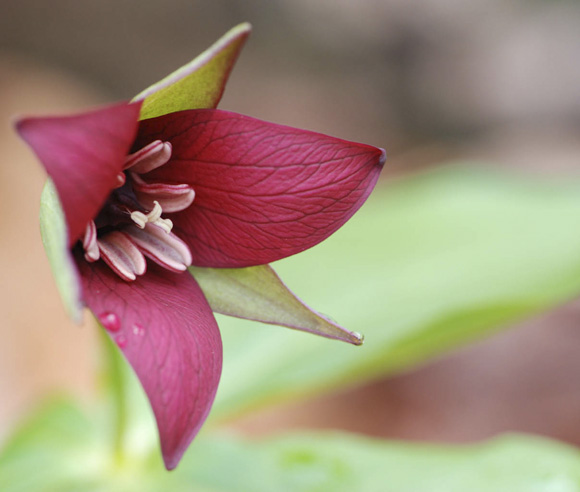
(492, 81)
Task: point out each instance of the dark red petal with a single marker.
(263, 191)
(83, 154)
(166, 330)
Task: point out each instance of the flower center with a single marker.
(131, 226)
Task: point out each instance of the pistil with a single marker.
(153, 217)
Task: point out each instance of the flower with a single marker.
(150, 187)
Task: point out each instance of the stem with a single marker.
(116, 386)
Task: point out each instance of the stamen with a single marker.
(121, 178)
(166, 249)
(133, 158)
(153, 217)
(172, 198)
(149, 157)
(90, 243)
(122, 255)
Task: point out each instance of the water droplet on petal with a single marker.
(121, 341)
(138, 330)
(110, 322)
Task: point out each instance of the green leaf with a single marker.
(54, 237)
(257, 293)
(200, 83)
(430, 262)
(53, 451)
(62, 449)
(322, 462)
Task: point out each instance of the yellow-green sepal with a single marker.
(200, 83)
(257, 293)
(54, 235)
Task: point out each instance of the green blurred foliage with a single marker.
(431, 262)
(63, 450)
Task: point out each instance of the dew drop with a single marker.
(138, 330)
(110, 321)
(121, 341)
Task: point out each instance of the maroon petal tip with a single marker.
(83, 154)
(263, 191)
(383, 157)
(166, 330)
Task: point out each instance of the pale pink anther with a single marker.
(122, 255)
(90, 243)
(164, 248)
(149, 149)
(121, 178)
(150, 157)
(171, 197)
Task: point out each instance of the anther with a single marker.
(90, 243)
(121, 178)
(150, 157)
(122, 255)
(166, 249)
(171, 197)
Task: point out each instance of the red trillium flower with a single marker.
(151, 187)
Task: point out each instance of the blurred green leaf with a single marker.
(430, 262)
(62, 450)
(57, 450)
(336, 462)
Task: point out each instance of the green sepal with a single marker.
(200, 83)
(55, 239)
(257, 293)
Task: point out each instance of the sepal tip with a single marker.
(358, 339)
(383, 157)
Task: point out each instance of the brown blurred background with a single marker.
(492, 80)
